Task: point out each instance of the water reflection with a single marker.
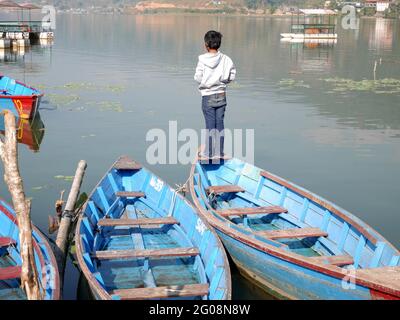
(382, 37)
(29, 132)
(18, 54)
(312, 56)
(10, 55)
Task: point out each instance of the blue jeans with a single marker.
(214, 107)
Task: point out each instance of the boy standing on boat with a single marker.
(214, 71)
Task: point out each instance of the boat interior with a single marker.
(269, 209)
(11, 87)
(142, 241)
(10, 260)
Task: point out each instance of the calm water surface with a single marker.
(108, 80)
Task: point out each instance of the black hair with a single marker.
(213, 39)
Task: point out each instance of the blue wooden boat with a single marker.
(19, 98)
(291, 242)
(138, 239)
(10, 260)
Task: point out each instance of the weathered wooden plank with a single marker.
(125, 163)
(388, 277)
(190, 290)
(5, 242)
(293, 233)
(224, 189)
(339, 261)
(135, 222)
(250, 211)
(153, 253)
(129, 194)
(10, 273)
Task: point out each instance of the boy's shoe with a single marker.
(222, 157)
(203, 157)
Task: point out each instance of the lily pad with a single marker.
(292, 83)
(61, 100)
(65, 178)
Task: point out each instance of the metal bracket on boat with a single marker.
(68, 214)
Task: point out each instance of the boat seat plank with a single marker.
(224, 189)
(190, 290)
(10, 273)
(294, 233)
(250, 211)
(339, 261)
(135, 222)
(153, 253)
(385, 276)
(129, 194)
(5, 242)
(127, 164)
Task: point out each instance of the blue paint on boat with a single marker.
(19, 98)
(346, 259)
(108, 277)
(45, 261)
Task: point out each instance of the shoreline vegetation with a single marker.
(262, 8)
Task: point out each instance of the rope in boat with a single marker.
(180, 188)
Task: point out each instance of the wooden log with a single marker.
(9, 155)
(5, 242)
(153, 253)
(224, 189)
(9, 273)
(293, 233)
(62, 242)
(339, 261)
(251, 211)
(135, 222)
(130, 194)
(190, 290)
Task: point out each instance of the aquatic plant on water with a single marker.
(60, 100)
(380, 86)
(292, 83)
(107, 105)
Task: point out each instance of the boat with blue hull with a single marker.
(138, 239)
(19, 98)
(289, 241)
(10, 260)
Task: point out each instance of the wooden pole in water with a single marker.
(22, 207)
(62, 242)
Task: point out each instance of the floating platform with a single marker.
(303, 36)
(310, 41)
(46, 35)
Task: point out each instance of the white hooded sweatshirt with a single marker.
(214, 71)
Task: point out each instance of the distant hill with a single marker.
(249, 4)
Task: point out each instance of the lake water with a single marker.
(110, 79)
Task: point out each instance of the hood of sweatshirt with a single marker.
(211, 60)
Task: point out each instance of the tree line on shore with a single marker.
(217, 6)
